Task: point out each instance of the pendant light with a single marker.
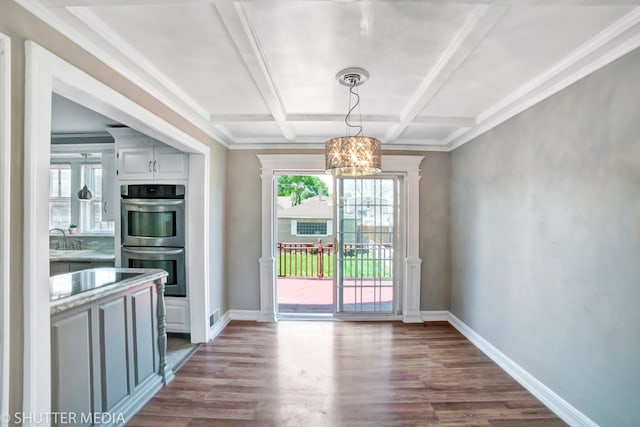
(84, 193)
(353, 155)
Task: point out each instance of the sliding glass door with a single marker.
(366, 274)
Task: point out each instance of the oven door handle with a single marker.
(153, 202)
(155, 251)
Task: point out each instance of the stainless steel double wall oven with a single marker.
(153, 231)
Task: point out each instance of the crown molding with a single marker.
(615, 41)
(321, 146)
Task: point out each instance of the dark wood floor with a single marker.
(342, 374)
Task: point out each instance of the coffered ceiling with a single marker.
(262, 73)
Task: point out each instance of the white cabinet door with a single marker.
(110, 198)
(135, 163)
(152, 163)
(170, 164)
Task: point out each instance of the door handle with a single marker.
(105, 207)
(149, 165)
(155, 162)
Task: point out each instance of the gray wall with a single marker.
(435, 173)
(244, 193)
(244, 238)
(545, 234)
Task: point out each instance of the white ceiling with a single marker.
(262, 73)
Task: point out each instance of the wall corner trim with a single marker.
(567, 412)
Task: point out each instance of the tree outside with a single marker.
(301, 187)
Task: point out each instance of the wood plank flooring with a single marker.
(319, 373)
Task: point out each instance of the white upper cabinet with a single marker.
(135, 163)
(169, 163)
(142, 158)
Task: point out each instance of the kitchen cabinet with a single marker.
(142, 158)
(152, 163)
(110, 197)
(61, 267)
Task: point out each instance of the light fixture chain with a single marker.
(353, 82)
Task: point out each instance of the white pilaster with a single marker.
(410, 166)
(411, 313)
(267, 260)
(5, 191)
(267, 296)
(411, 304)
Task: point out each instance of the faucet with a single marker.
(64, 237)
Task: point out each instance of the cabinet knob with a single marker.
(150, 165)
(105, 207)
(155, 162)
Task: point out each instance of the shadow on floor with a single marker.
(179, 350)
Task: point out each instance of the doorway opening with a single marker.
(406, 171)
(304, 244)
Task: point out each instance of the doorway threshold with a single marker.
(306, 316)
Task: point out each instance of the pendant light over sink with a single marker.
(353, 155)
(85, 193)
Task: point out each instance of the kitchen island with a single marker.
(108, 342)
(69, 260)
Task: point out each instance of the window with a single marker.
(64, 206)
(311, 228)
(60, 196)
(91, 212)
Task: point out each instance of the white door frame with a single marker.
(5, 196)
(308, 163)
(47, 73)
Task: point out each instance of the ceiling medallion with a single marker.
(353, 155)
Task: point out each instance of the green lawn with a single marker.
(357, 266)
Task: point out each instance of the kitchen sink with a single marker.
(70, 251)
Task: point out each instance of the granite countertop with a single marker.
(73, 289)
(83, 255)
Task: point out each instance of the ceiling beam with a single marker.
(372, 118)
(472, 33)
(444, 121)
(379, 118)
(242, 33)
(235, 118)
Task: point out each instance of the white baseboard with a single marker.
(244, 314)
(553, 401)
(215, 330)
(435, 316)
